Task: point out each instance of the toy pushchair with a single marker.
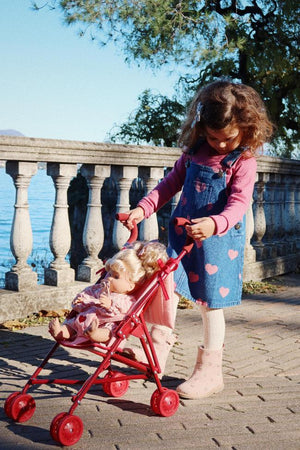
(67, 428)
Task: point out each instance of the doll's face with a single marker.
(119, 282)
(224, 140)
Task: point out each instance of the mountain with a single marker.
(10, 133)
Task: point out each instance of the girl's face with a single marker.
(224, 140)
(119, 282)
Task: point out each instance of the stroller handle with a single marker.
(182, 222)
(134, 232)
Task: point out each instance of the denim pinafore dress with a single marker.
(212, 273)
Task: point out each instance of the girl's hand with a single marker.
(78, 301)
(105, 301)
(201, 229)
(136, 214)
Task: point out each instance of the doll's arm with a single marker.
(121, 302)
(105, 301)
(87, 297)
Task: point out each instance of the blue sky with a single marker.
(54, 84)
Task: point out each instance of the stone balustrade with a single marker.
(273, 232)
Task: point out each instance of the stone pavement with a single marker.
(258, 409)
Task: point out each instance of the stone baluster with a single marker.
(175, 200)
(270, 217)
(250, 253)
(123, 175)
(290, 215)
(259, 218)
(297, 213)
(149, 227)
(277, 219)
(93, 233)
(279, 202)
(21, 276)
(59, 271)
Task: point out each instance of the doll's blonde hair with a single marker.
(138, 262)
(149, 253)
(128, 262)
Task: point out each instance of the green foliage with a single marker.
(255, 42)
(156, 121)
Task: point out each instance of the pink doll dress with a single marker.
(89, 309)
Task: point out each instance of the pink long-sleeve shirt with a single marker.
(240, 179)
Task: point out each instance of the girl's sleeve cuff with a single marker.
(147, 210)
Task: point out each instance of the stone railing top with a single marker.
(14, 148)
(284, 166)
(52, 150)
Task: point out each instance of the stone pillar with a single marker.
(123, 176)
(270, 208)
(149, 227)
(290, 215)
(175, 200)
(21, 277)
(250, 253)
(279, 223)
(59, 271)
(297, 213)
(259, 218)
(93, 233)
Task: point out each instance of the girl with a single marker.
(226, 125)
(102, 306)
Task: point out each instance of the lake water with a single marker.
(41, 196)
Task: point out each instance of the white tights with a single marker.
(213, 328)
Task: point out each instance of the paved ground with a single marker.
(258, 409)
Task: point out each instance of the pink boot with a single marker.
(207, 378)
(162, 340)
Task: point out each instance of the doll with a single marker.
(102, 306)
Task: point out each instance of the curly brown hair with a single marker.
(221, 103)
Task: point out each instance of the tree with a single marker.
(156, 121)
(254, 41)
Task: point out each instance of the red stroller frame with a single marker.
(66, 428)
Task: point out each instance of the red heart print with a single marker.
(193, 277)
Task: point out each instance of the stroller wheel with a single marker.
(165, 403)
(54, 425)
(8, 403)
(20, 407)
(115, 388)
(155, 400)
(66, 429)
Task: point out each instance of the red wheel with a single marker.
(54, 425)
(8, 403)
(115, 388)
(155, 400)
(168, 403)
(22, 408)
(69, 429)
